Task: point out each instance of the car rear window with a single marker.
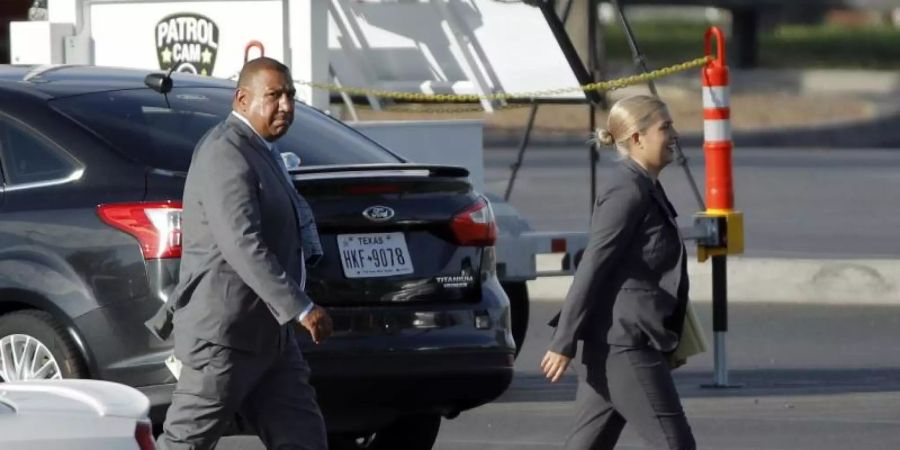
(143, 125)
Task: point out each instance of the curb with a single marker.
(881, 132)
(802, 281)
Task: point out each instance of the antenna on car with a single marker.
(161, 83)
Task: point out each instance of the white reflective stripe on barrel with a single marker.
(716, 130)
(716, 97)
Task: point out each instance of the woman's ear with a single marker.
(636, 140)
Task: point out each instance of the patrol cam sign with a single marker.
(187, 42)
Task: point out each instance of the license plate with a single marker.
(374, 255)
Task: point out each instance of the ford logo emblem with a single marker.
(378, 213)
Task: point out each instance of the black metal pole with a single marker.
(526, 137)
(522, 146)
(557, 27)
(641, 64)
(592, 64)
(584, 75)
(720, 293)
(720, 322)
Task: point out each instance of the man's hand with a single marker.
(554, 365)
(318, 322)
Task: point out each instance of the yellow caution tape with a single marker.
(452, 108)
(599, 86)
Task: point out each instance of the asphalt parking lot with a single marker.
(816, 377)
(813, 376)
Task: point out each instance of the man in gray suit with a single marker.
(247, 238)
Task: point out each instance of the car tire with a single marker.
(47, 332)
(519, 311)
(414, 432)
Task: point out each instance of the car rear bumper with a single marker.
(387, 361)
(360, 393)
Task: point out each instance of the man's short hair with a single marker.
(254, 66)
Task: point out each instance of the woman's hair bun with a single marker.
(603, 136)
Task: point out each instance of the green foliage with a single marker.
(786, 46)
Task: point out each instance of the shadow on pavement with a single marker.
(533, 387)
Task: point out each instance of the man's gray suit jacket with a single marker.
(631, 286)
(241, 258)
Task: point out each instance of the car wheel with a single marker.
(35, 346)
(518, 304)
(416, 432)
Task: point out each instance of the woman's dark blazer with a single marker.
(631, 286)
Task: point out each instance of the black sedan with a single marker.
(93, 165)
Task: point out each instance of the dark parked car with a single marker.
(93, 165)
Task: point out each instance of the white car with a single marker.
(73, 415)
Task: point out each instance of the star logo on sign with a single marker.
(207, 56)
(166, 55)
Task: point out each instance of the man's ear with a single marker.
(240, 98)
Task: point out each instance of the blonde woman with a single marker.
(627, 302)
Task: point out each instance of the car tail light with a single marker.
(156, 225)
(143, 433)
(475, 225)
